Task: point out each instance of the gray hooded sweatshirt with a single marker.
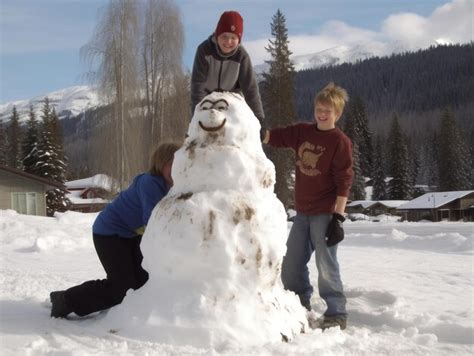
(214, 71)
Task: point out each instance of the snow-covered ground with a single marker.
(409, 287)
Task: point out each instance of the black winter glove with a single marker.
(335, 232)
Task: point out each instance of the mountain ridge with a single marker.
(68, 102)
(74, 100)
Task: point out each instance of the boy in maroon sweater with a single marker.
(323, 179)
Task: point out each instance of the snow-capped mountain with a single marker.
(67, 102)
(74, 100)
(341, 54)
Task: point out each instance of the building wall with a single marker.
(11, 183)
(379, 209)
(355, 209)
(438, 214)
(467, 202)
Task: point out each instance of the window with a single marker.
(24, 203)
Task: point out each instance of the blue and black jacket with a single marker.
(129, 212)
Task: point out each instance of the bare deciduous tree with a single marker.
(137, 48)
(162, 51)
(115, 46)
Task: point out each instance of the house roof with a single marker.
(434, 200)
(363, 203)
(98, 181)
(45, 181)
(369, 203)
(392, 203)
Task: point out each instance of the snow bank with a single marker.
(42, 234)
(412, 236)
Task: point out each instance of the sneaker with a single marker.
(330, 322)
(59, 307)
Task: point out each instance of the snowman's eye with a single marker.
(206, 106)
(221, 105)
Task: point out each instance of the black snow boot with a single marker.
(60, 308)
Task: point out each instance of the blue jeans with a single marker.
(307, 235)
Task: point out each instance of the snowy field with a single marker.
(409, 287)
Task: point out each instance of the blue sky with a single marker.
(40, 39)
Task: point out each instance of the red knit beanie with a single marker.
(230, 21)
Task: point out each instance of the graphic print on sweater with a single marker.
(308, 157)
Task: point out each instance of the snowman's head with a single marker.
(223, 118)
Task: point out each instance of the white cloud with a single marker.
(256, 50)
(407, 28)
(449, 23)
(333, 33)
(452, 22)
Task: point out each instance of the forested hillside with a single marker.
(415, 85)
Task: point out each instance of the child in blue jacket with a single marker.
(117, 233)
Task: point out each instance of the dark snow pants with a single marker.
(122, 261)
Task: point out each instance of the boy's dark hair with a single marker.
(163, 153)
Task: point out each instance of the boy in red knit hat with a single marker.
(222, 64)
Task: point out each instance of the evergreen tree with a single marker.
(3, 145)
(471, 151)
(358, 183)
(379, 189)
(394, 138)
(277, 98)
(46, 152)
(454, 162)
(57, 137)
(49, 164)
(57, 197)
(14, 138)
(30, 145)
(428, 170)
(414, 162)
(350, 128)
(400, 186)
(357, 128)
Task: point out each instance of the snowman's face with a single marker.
(214, 117)
(223, 118)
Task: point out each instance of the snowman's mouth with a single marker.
(212, 128)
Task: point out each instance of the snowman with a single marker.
(214, 245)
